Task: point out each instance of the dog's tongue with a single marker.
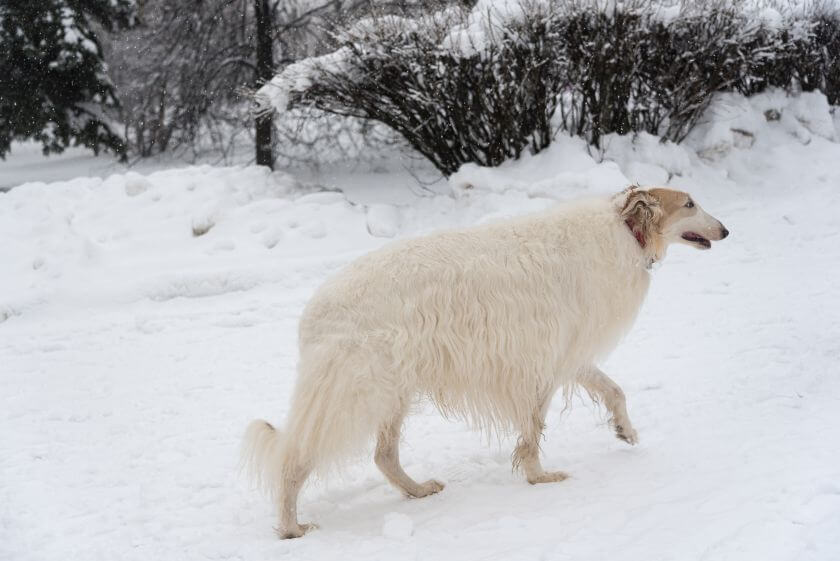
(696, 238)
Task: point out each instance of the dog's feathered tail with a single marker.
(262, 455)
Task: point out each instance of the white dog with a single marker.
(487, 322)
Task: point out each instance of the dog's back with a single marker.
(474, 318)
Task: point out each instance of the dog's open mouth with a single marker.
(697, 239)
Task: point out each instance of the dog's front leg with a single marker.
(603, 389)
(526, 455)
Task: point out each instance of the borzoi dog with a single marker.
(487, 322)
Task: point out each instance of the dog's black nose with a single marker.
(723, 232)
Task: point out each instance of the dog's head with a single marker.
(659, 217)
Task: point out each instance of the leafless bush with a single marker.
(178, 73)
(807, 54)
(459, 85)
(602, 51)
(483, 100)
(309, 137)
(459, 97)
(711, 47)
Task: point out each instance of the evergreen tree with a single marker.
(53, 82)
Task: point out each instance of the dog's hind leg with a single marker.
(602, 388)
(526, 455)
(294, 476)
(387, 458)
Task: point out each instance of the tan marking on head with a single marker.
(670, 199)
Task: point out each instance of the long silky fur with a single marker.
(486, 322)
(262, 455)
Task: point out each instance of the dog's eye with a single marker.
(689, 204)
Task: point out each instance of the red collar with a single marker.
(638, 235)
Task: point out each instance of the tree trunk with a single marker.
(265, 71)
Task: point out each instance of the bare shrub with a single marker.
(483, 85)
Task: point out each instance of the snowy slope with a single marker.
(133, 353)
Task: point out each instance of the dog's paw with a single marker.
(430, 487)
(548, 477)
(627, 434)
(295, 531)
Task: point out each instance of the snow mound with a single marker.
(645, 159)
(560, 171)
(812, 110)
(733, 121)
(175, 233)
(383, 221)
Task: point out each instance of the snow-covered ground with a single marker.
(145, 319)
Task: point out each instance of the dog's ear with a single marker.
(643, 212)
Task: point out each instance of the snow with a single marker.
(397, 526)
(383, 220)
(297, 77)
(483, 25)
(645, 159)
(134, 350)
(72, 33)
(27, 164)
(733, 120)
(378, 24)
(811, 109)
(572, 170)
